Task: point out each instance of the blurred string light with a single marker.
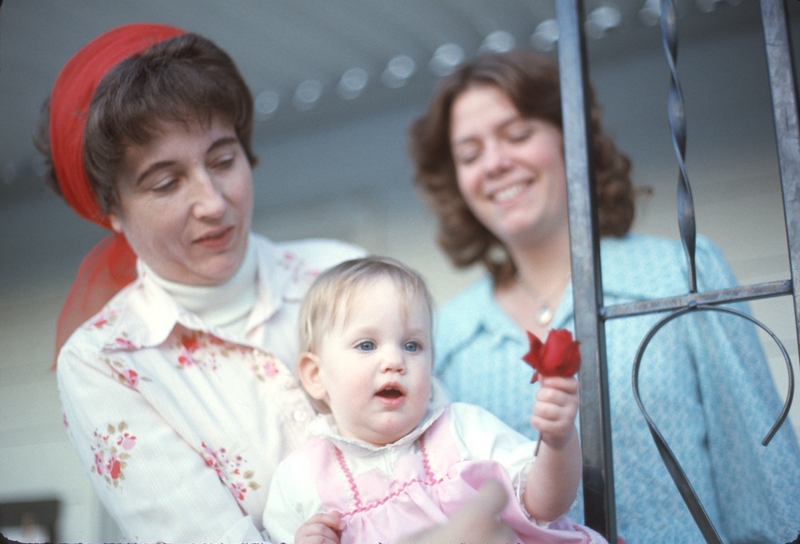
(307, 94)
(351, 84)
(446, 58)
(398, 70)
(498, 41)
(649, 13)
(450, 55)
(266, 104)
(601, 20)
(545, 36)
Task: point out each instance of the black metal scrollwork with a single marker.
(686, 222)
(673, 467)
(591, 314)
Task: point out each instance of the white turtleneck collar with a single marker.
(227, 305)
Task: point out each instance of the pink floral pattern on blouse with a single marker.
(263, 364)
(230, 470)
(298, 268)
(106, 316)
(198, 349)
(170, 407)
(110, 450)
(123, 343)
(127, 376)
(203, 350)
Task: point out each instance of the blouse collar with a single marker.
(219, 305)
(144, 313)
(324, 426)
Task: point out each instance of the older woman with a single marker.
(178, 340)
(178, 395)
(489, 159)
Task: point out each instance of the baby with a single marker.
(389, 460)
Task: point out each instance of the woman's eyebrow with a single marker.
(226, 140)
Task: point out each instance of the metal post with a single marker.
(778, 46)
(595, 421)
(590, 314)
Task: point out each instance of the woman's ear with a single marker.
(308, 368)
(116, 222)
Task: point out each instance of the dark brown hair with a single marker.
(184, 79)
(531, 82)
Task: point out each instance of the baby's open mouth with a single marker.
(390, 393)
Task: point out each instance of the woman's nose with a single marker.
(495, 159)
(209, 201)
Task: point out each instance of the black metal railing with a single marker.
(590, 311)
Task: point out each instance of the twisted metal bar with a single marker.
(693, 301)
(587, 283)
(677, 124)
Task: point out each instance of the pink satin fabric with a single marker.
(425, 490)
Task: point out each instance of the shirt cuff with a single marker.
(242, 531)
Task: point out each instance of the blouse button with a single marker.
(300, 415)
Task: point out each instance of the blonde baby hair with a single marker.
(328, 300)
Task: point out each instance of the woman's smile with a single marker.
(510, 168)
(508, 192)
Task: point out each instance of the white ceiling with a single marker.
(279, 44)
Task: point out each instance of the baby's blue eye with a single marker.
(366, 345)
(411, 346)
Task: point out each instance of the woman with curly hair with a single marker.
(489, 160)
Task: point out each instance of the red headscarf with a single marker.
(111, 264)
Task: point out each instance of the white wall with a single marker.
(353, 182)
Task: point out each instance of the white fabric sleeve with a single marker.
(292, 499)
(160, 489)
(479, 434)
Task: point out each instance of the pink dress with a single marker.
(425, 489)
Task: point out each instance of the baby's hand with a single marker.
(324, 528)
(554, 411)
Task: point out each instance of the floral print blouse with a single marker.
(179, 425)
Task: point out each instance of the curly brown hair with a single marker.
(183, 79)
(531, 82)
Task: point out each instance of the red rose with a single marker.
(558, 356)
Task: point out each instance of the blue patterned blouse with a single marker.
(703, 380)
